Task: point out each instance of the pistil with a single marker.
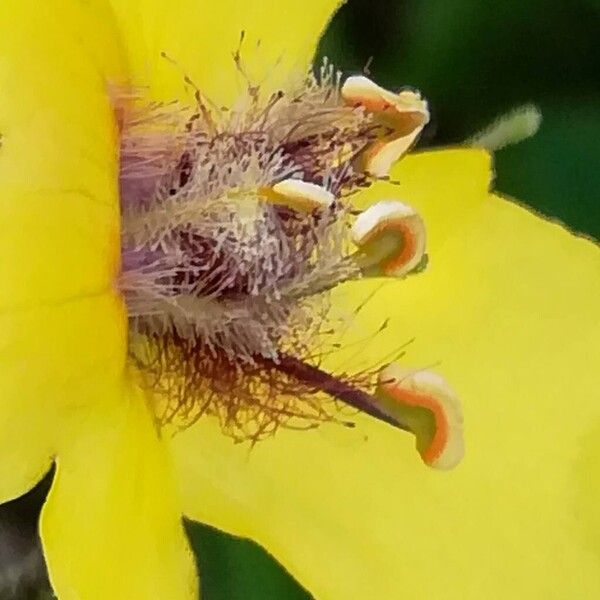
(338, 388)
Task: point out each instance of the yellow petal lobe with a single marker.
(59, 220)
(508, 313)
(52, 360)
(111, 525)
(445, 187)
(221, 47)
(58, 152)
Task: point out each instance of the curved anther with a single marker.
(404, 114)
(391, 239)
(432, 411)
(301, 196)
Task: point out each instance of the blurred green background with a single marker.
(474, 61)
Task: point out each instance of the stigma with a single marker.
(237, 222)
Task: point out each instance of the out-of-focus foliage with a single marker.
(22, 571)
(474, 61)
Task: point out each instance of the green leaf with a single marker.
(232, 568)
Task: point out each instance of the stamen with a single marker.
(391, 238)
(404, 113)
(361, 91)
(301, 196)
(431, 409)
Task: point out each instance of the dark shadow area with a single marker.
(23, 573)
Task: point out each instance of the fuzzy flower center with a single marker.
(236, 223)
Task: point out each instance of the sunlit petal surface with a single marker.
(111, 526)
(200, 39)
(58, 156)
(59, 221)
(508, 313)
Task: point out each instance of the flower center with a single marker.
(236, 222)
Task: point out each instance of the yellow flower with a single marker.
(508, 307)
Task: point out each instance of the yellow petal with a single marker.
(111, 526)
(201, 37)
(511, 314)
(58, 151)
(52, 359)
(446, 187)
(58, 206)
